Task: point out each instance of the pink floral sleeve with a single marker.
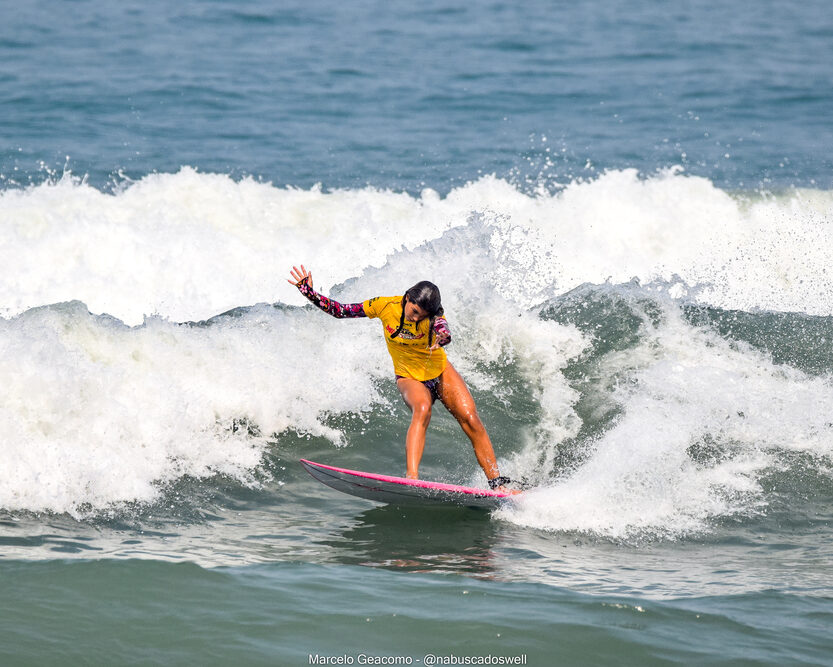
(442, 331)
(331, 306)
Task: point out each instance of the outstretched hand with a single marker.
(441, 339)
(300, 276)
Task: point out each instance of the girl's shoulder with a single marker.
(375, 306)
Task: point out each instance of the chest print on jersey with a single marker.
(405, 334)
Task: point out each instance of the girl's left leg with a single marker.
(457, 398)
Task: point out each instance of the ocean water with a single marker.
(629, 211)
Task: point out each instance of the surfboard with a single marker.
(403, 491)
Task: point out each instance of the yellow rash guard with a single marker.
(409, 350)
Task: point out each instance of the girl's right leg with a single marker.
(418, 398)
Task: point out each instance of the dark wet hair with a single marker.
(426, 295)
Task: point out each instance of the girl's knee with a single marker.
(471, 421)
(421, 412)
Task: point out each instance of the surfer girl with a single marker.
(416, 332)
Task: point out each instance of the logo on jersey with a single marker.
(405, 334)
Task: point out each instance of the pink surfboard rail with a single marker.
(401, 490)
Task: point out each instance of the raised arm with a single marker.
(331, 306)
(303, 281)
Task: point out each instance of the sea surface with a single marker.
(628, 207)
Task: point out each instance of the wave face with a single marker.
(652, 354)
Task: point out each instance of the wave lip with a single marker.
(189, 245)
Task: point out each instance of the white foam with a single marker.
(189, 245)
(681, 389)
(96, 413)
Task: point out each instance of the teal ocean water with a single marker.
(629, 212)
